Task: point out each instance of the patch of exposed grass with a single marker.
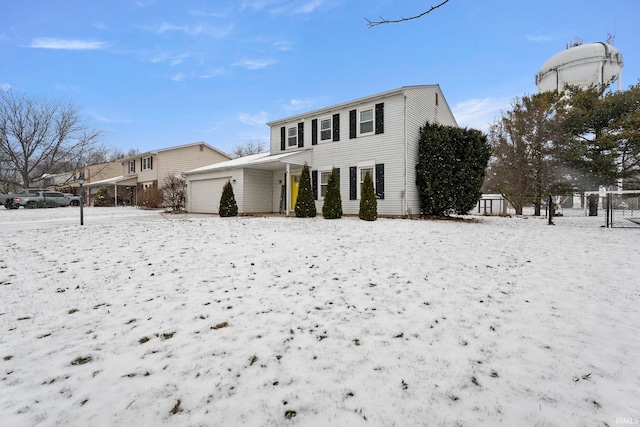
(176, 408)
(167, 335)
(144, 340)
(220, 325)
(81, 360)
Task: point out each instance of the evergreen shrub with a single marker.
(305, 204)
(451, 169)
(332, 207)
(368, 203)
(228, 205)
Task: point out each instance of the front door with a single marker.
(295, 183)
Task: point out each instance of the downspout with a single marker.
(404, 137)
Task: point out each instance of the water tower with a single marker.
(581, 65)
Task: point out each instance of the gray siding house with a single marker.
(377, 134)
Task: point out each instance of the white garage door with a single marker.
(205, 195)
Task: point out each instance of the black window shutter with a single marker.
(352, 125)
(301, 134)
(338, 176)
(380, 118)
(314, 132)
(314, 184)
(150, 162)
(353, 183)
(141, 164)
(380, 181)
(336, 127)
(283, 134)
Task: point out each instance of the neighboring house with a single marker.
(150, 169)
(377, 134)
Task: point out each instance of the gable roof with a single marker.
(354, 102)
(177, 147)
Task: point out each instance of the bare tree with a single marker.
(395, 21)
(39, 136)
(247, 149)
(173, 190)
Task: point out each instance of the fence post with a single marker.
(550, 209)
(609, 212)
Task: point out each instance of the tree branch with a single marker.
(395, 21)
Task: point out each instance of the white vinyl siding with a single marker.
(405, 111)
(421, 107)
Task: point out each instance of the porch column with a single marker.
(288, 187)
(115, 192)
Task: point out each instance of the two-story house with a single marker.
(151, 168)
(377, 134)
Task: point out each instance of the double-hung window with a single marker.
(366, 120)
(325, 129)
(363, 173)
(324, 181)
(292, 136)
(146, 163)
(132, 166)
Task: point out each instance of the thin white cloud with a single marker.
(145, 3)
(178, 77)
(258, 119)
(193, 30)
(5, 87)
(308, 6)
(540, 38)
(298, 105)
(53, 43)
(254, 64)
(170, 59)
(211, 74)
(480, 113)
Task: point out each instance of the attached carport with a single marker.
(258, 182)
(125, 184)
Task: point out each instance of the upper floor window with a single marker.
(146, 163)
(325, 129)
(132, 166)
(292, 136)
(366, 120)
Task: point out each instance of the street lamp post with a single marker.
(81, 181)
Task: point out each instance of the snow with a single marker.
(141, 318)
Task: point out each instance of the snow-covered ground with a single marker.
(143, 319)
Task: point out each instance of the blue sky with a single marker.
(160, 73)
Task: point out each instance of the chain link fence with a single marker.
(620, 209)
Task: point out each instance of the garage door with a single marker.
(206, 194)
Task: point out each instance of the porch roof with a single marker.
(117, 180)
(264, 161)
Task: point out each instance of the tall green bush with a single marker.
(368, 203)
(228, 205)
(305, 205)
(451, 168)
(332, 207)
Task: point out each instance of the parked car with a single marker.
(28, 200)
(8, 199)
(73, 199)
